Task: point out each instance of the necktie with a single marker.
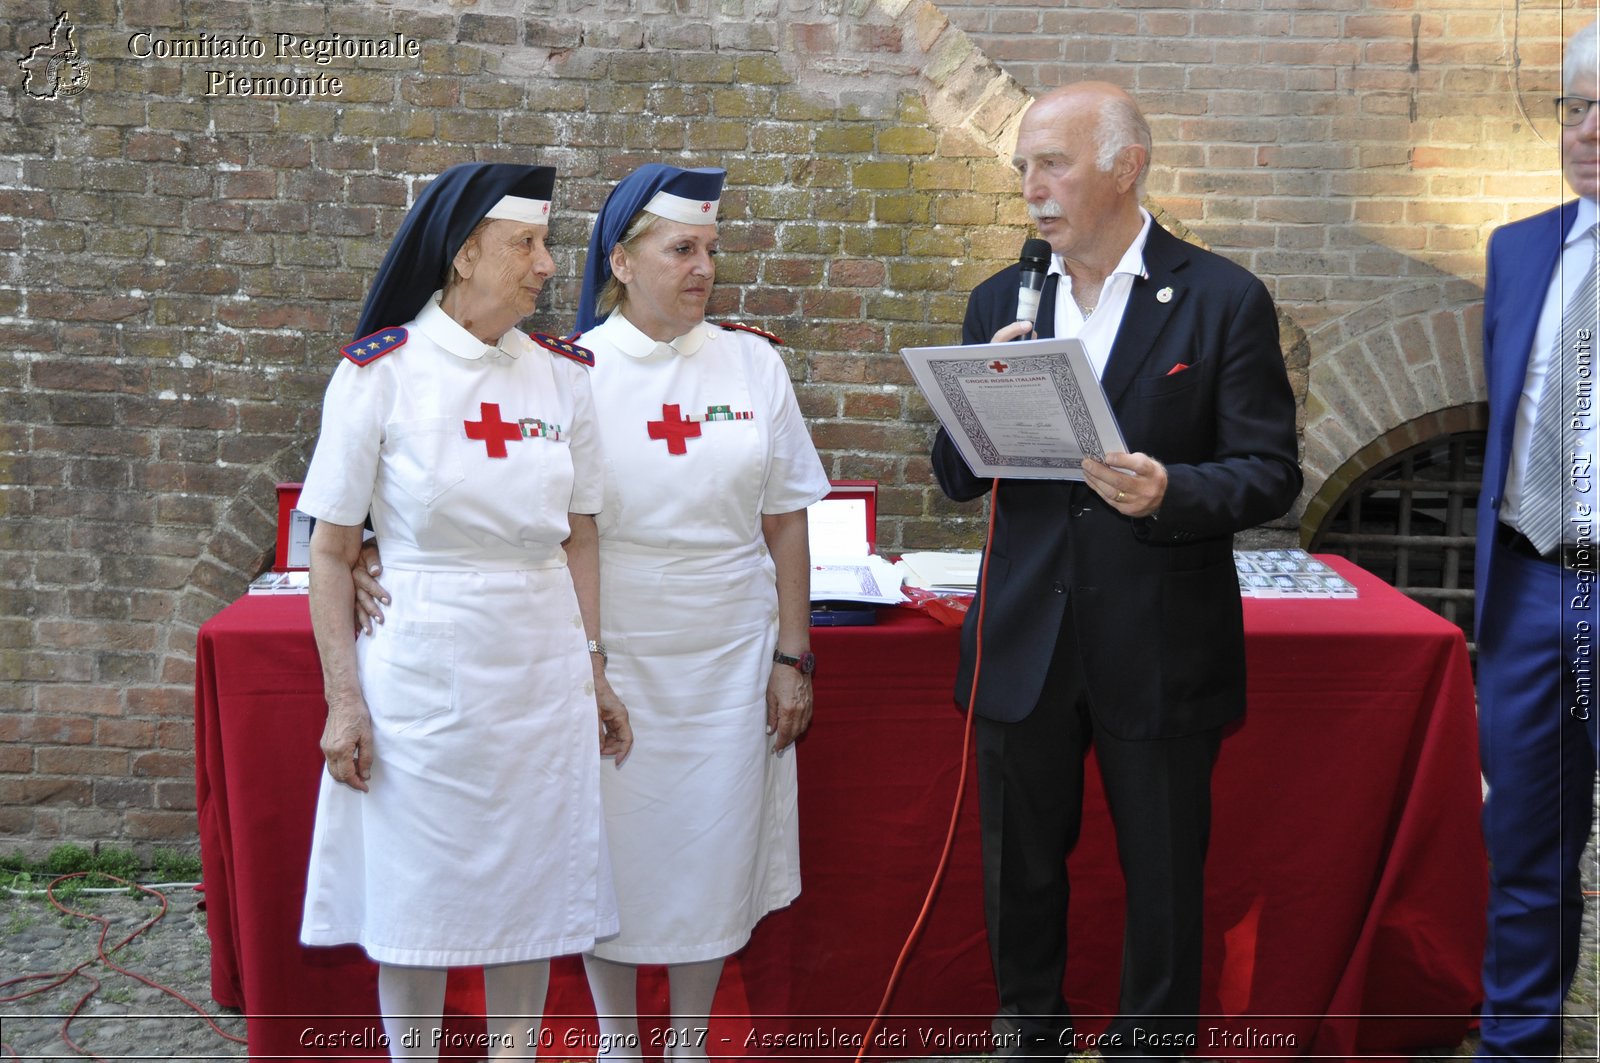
(1545, 505)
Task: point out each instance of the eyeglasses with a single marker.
(1572, 110)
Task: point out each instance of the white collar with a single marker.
(447, 332)
(1132, 261)
(1584, 219)
(635, 344)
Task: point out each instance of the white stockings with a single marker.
(614, 986)
(412, 999)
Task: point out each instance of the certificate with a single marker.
(1026, 409)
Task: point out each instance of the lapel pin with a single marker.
(1164, 295)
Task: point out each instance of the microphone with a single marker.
(1035, 263)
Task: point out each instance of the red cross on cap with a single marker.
(705, 208)
(545, 209)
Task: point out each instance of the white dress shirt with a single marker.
(1577, 254)
(1098, 331)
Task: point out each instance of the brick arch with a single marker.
(966, 92)
(239, 549)
(1469, 417)
(1387, 371)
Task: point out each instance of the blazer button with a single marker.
(1058, 587)
(1077, 511)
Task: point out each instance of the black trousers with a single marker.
(1030, 782)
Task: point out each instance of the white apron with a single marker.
(703, 819)
(480, 841)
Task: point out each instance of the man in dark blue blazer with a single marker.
(1536, 606)
(1111, 607)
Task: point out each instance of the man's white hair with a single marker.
(1122, 126)
(1580, 67)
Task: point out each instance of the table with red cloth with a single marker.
(1345, 883)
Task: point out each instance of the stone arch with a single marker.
(1404, 507)
(1358, 466)
(1389, 370)
(240, 548)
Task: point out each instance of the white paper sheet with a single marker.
(858, 579)
(1030, 409)
(941, 570)
(837, 527)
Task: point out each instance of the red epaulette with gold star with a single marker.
(369, 349)
(565, 348)
(734, 326)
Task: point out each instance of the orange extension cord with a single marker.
(57, 978)
(961, 789)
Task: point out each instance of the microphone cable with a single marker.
(961, 789)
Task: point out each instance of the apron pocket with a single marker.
(413, 671)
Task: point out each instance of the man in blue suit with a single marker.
(1536, 601)
(1111, 613)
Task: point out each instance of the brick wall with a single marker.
(1355, 154)
(182, 264)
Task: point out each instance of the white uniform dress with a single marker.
(481, 840)
(702, 819)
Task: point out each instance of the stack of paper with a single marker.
(950, 571)
(281, 583)
(843, 569)
(1288, 574)
(864, 579)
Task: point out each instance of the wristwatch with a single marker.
(596, 646)
(806, 663)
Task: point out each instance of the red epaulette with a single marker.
(565, 348)
(734, 326)
(369, 349)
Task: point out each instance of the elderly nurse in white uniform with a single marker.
(459, 820)
(705, 599)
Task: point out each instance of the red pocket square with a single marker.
(1175, 370)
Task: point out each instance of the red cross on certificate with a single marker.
(491, 429)
(673, 428)
(998, 366)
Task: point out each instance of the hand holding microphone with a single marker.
(1034, 267)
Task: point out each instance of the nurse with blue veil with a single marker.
(705, 603)
(459, 819)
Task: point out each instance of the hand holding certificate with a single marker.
(1028, 409)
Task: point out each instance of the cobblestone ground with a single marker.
(127, 1020)
(124, 1018)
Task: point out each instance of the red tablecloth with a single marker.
(1346, 878)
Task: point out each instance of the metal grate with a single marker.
(1411, 520)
